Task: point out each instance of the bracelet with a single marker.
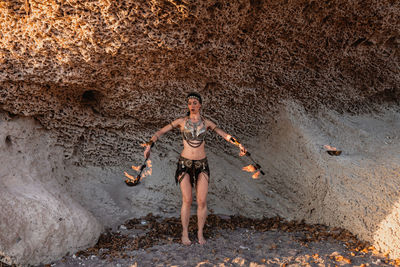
(234, 141)
(149, 143)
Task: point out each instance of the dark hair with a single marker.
(195, 95)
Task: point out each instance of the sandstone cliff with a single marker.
(101, 76)
(81, 67)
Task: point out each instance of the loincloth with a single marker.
(191, 167)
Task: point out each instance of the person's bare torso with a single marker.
(193, 131)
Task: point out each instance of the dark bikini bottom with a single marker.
(191, 167)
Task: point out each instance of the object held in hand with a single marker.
(131, 181)
(149, 143)
(247, 153)
(256, 165)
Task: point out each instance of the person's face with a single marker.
(194, 105)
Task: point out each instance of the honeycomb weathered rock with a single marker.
(140, 58)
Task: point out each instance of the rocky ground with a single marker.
(232, 241)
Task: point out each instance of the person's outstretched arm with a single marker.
(212, 126)
(159, 133)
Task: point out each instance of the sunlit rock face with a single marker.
(101, 76)
(103, 73)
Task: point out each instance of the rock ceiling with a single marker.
(102, 75)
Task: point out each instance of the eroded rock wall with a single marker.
(39, 220)
(357, 190)
(104, 74)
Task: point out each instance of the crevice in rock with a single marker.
(8, 141)
(12, 115)
(91, 96)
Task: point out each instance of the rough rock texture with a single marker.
(101, 76)
(357, 190)
(103, 73)
(39, 221)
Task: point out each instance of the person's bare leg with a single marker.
(186, 189)
(201, 197)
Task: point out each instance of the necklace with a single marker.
(194, 126)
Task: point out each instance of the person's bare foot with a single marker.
(186, 241)
(328, 147)
(202, 240)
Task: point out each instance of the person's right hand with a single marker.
(243, 150)
(147, 152)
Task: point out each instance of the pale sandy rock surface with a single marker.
(356, 190)
(39, 220)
